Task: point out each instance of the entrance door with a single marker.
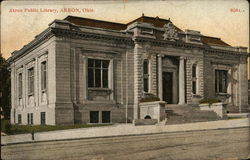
(167, 84)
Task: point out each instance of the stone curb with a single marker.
(123, 130)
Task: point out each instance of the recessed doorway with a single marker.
(167, 84)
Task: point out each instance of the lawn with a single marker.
(20, 129)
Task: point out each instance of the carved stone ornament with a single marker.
(170, 32)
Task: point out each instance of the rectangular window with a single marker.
(30, 118)
(194, 87)
(31, 81)
(145, 76)
(194, 79)
(43, 118)
(98, 73)
(221, 81)
(194, 71)
(105, 116)
(94, 116)
(20, 85)
(14, 115)
(44, 75)
(19, 119)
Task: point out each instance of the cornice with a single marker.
(166, 43)
(215, 63)
(210, 50)
(58, 32)
(39, 39)
(90, 50)
(181, 44)
(124, 39)
(87, 35)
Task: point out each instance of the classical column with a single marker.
(160, 77)
(181, 81)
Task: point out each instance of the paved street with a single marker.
(211, 144)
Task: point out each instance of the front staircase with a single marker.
(177, 114)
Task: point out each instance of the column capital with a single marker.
(182, 58)
(160, 55)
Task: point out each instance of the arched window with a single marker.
(44, 75)
(147, 117)
(194, 79)
(20, 85)
(145, 75)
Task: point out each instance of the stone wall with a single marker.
(72, 82)
(68, 99)
(248, 91)
(237, 77)
(191, 56)
(153, 110)
(39, 101)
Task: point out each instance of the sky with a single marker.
(21, 21)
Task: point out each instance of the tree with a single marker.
(4, 87)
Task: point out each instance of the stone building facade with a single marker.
(83, 70)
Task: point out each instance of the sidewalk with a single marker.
(122, 130)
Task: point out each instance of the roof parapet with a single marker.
(230, 48)
(240, 49)
(192, 36)
(142, 29)
(14, 52)
(60, 24)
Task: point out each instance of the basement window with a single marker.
(19, 118)
(30, 118)
(43, 118)
(106, 117)
(94, 116)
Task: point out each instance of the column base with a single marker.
(181, 103)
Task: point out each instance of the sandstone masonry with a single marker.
(82, 70)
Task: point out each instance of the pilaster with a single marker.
(189, 80)
(160, 77)
(13, 106)
(73, 74)
(36, 83)
(153, 88)
(111, 77)
(243, 87)
(83, 76)
(201, 78)
(137, 78)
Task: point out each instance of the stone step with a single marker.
(235, 109)
(188, 113)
